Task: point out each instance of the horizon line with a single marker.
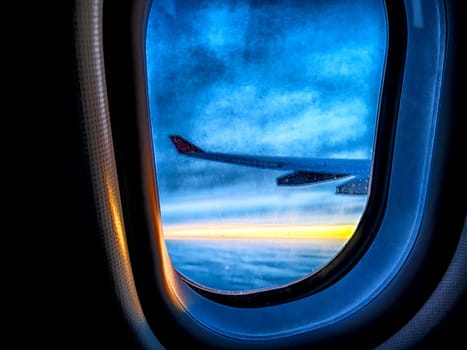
(260, 231)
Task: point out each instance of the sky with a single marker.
(278, 78)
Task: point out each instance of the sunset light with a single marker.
(239, 231)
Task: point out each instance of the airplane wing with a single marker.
(303, 170)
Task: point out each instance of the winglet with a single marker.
(183, 146)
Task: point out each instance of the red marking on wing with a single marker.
(183, 146)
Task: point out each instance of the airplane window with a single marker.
(263, 116)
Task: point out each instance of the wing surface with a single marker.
(304, 170)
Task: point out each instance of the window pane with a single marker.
(263, 116)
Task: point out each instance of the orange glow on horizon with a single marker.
(238, 231)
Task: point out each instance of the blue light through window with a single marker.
(293, 79)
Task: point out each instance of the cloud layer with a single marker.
(300, 79)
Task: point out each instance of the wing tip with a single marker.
(183, 146)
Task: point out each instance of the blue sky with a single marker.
(285, 78)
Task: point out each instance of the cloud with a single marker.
(222, 28)
(238, 77)
(266, 204)
(283, 123)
